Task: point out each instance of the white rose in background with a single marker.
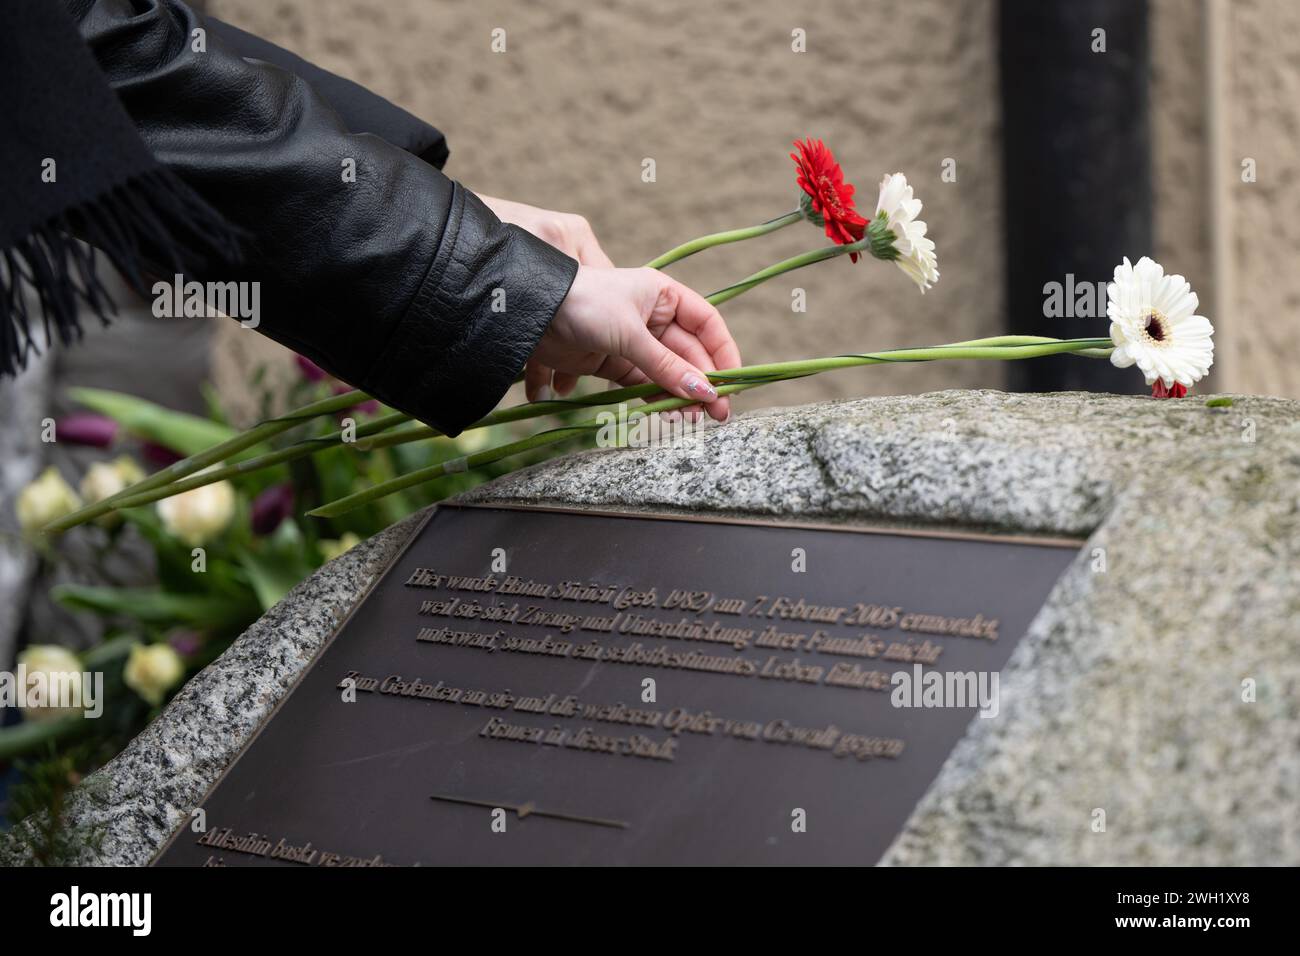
(50, 660)
(199, 515)
(104, 479)
(152, 670)
(1153, 323)
(46, 499)
(914, 251)
(331, 548)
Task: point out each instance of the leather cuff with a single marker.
(489, 295)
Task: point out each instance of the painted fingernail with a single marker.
(545, 394)
(697, 388)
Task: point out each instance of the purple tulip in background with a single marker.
(86, 428)
(185, 643)
(271, 507)
(369, 407)
(314, 373)
(159, 456)
(310, 370)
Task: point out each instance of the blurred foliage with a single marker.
(247, 565)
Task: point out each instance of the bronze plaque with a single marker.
(529, 686)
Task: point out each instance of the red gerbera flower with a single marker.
(829, 195)
(1161, 390)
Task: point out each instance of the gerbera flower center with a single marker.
(1156, 328)
(829, 195)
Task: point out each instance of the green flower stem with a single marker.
(138, 495)
(722, 238)
(170, 478)
(30, 734)
(386, 436)
(515, 413)
(217, 453)
(171, 481)
(293, 452)
(487, 456)
(820, 254)
(973, 350)
(722, 295)
(673, 255)
(614, 396)
(734, 380)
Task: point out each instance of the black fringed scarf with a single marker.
(72, 166)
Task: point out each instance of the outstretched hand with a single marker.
(626, 325)
(638, 325)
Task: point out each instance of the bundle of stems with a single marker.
(212, 464)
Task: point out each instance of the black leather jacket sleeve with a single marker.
(401, 283)
(361, 110)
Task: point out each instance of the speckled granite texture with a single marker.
(1125, 696)
(133, 804)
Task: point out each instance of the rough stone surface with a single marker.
(1125, 696)
(130, 807)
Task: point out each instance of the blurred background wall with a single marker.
(714, 94)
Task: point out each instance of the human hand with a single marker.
(637, 325)
(573, 236)
(569, 233)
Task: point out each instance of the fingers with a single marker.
(690, 348)
(615, 368)
(537, 381)
(696, 315)
(564, 382)
(634, 376)
(631, 326)
(670, 371)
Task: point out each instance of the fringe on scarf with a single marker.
(149, 216)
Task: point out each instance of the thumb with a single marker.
(667, 369)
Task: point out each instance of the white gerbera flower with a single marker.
(1153, 323)
(915, 252)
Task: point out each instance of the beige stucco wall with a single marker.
(714, 94)
(1180, 172)
(1264, 124)
(1250, 284)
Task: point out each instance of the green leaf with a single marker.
(278, 565)
(32, 734)
(151, 606)
(212, 402)
(183, 433)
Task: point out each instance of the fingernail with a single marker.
(545, 393)
(696, 388)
